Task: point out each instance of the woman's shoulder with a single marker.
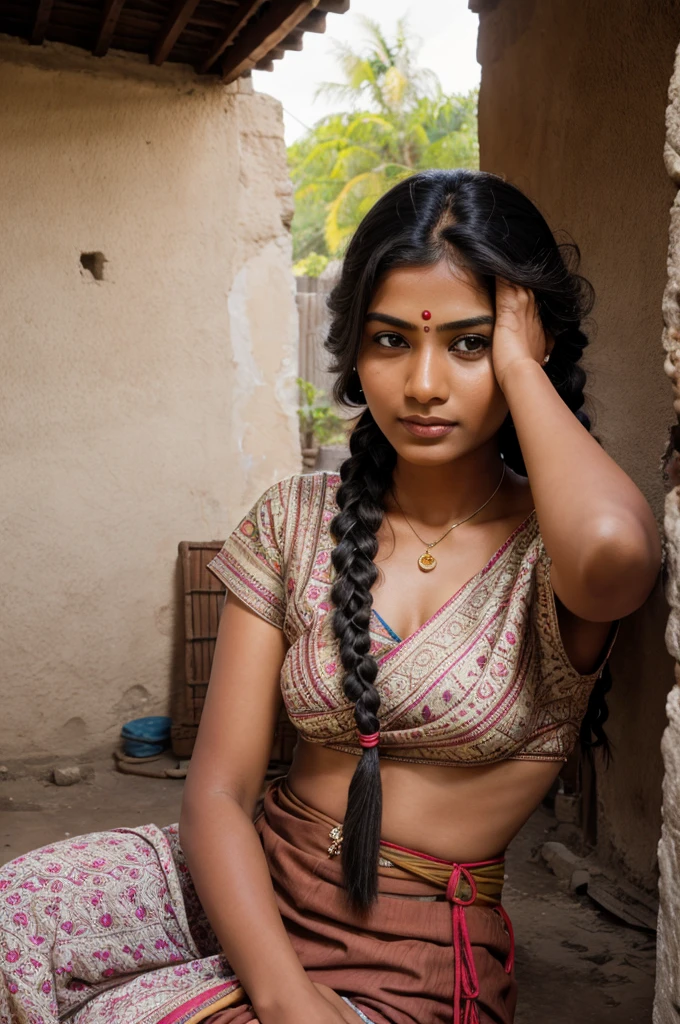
(297, 488)
(306, 489)
(298, 504)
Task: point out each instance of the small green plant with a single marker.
(319, 424)
(311, 266)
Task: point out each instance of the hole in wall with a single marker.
(94, 263)
(73, 732)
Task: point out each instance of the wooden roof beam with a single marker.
(206, 21)
(314, 22)
(41, 22)
(110, 17)
(334, 6)
(175, 24)
(293, 41)
(231, 30)
(262, 35)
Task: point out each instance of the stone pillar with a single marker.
(668, 940)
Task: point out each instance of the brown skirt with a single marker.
(432, 950)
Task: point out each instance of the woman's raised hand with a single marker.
(518, 333)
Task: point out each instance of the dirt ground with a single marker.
(575, 963)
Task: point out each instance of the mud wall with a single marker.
(148, 394)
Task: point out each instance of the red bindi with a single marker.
(426, 315)
(426, 329)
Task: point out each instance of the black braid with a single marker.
(366, 476)
(596, 717)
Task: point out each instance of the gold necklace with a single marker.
(427, 562)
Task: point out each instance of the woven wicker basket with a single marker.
(203, 601)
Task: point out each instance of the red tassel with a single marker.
(465, 981)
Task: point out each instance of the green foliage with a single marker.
(385, 76)
(311, 266)
(319, 424)
(400, 121)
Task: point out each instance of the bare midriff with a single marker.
(456, 814)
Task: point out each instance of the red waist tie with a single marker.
(465, 981)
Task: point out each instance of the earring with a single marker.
(361, 390)
(546, 358)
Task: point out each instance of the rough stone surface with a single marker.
(580, 880)
(571, 110)
(139, 410)
(561, 861)
(667, 996)
(66, 776)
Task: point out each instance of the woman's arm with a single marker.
(221, 845)
(597, 527)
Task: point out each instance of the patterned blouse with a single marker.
(484, 679)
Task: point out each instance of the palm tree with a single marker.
(385, 77)
(401, 121)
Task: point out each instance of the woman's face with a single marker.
(438, 367)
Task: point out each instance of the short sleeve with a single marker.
(251, 563)
(546, 623)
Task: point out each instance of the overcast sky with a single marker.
(447, 28)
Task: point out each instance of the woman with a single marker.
(437, 619)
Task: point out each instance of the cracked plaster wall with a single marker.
(137, 411)
(572, 111)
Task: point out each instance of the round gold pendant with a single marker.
(427, 562)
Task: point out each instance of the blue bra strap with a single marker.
(388, 628)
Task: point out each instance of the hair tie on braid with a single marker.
(369, 741)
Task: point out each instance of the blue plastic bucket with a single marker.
(144, 737)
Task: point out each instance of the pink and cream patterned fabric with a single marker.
(107, 928)
(486, 678)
